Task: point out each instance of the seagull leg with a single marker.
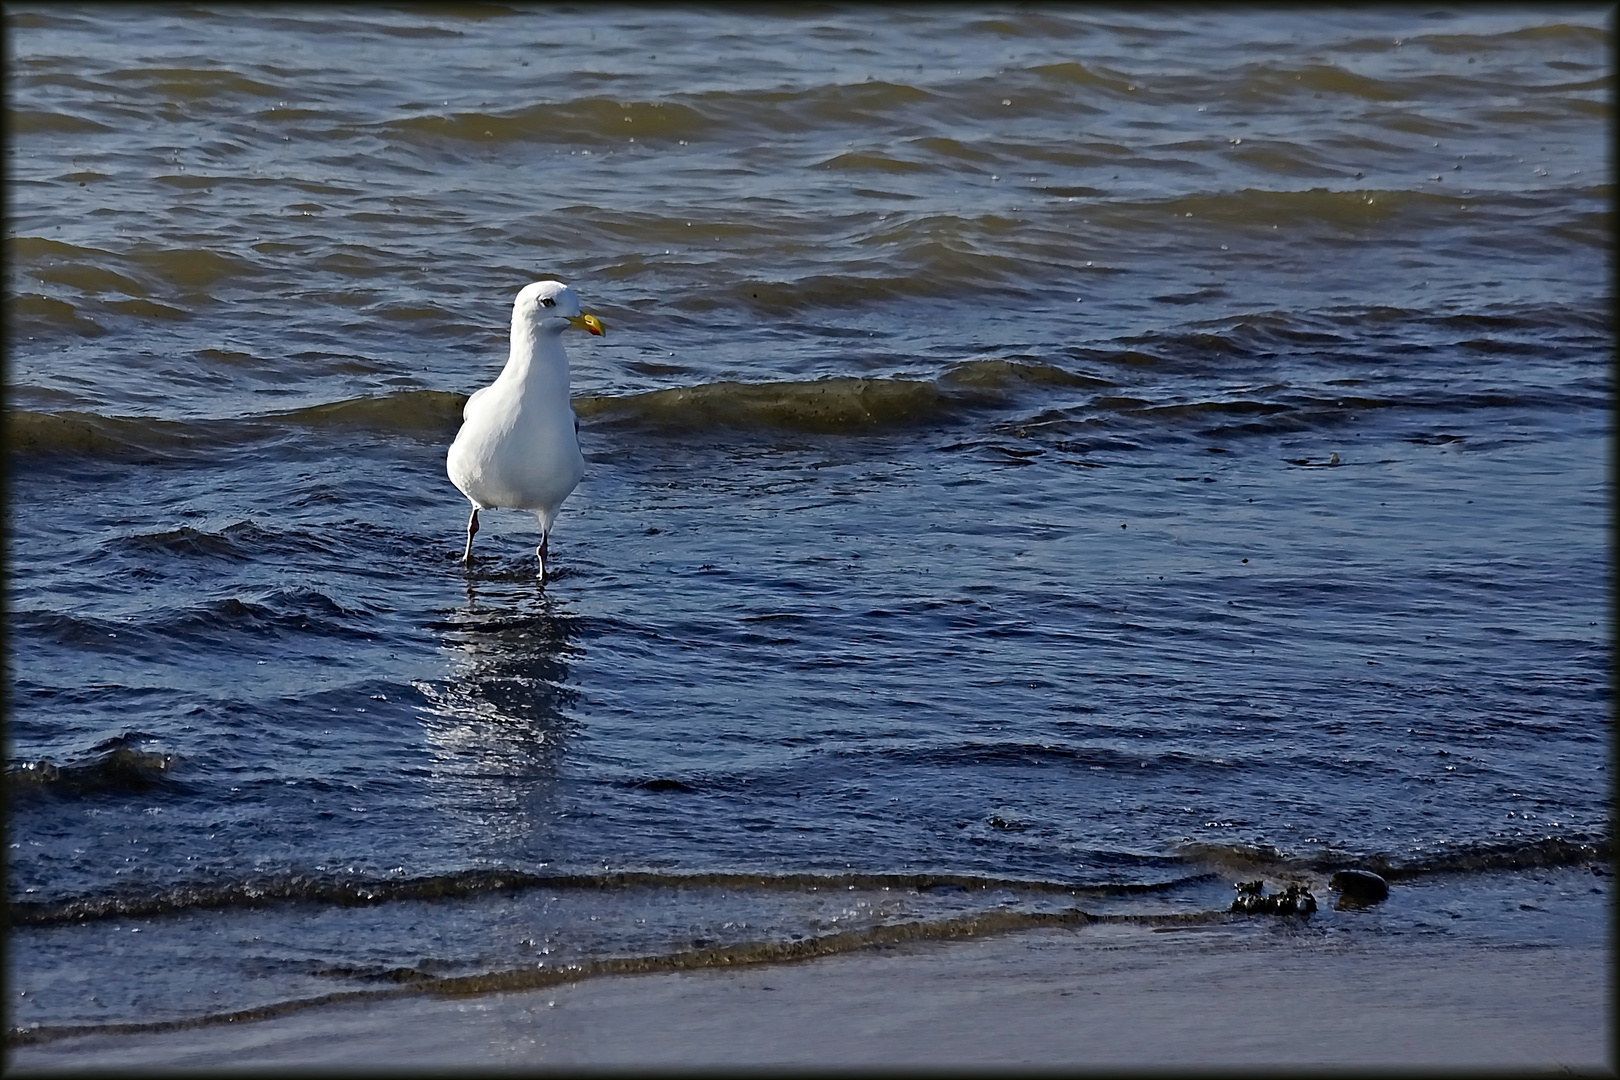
(540, 553)
(472, 531)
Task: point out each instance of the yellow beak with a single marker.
(589, 322)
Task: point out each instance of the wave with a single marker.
(412, 982)
(433, 413)
(1547, 851)
(34, 121)
(1031, 256)
(857, 405)
(192, 83)
(601, 121)
(285, 612)
(282, 611)
(240, 541)
(1191, 864)
(823, 405)
(1077, 757)
(839, 404)
(831, 263)
(1565, 35)
(936, 106)
(116, 766)
(766, 103)
(82, 434)
(139, 271)
(363, 892)
(583, 120)
(32, 315)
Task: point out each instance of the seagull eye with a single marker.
(546, 301)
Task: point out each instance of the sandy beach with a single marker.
(1250, 993)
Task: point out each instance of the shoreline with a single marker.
(1256, 991)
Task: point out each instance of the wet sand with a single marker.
(1248, 993)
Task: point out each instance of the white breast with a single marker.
(518, 448)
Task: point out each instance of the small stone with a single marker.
(1358, 888)
(1293, 900)
(1250, 897)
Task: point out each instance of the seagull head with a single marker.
(554, 306)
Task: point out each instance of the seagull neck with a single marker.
(537, 356)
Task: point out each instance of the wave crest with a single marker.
(117, 766)
(1546, 851)
(824, 405)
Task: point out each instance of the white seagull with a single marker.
(518, 447)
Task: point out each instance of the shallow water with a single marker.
(1036, 460)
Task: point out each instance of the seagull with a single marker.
(518, 447)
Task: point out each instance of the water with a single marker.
(1040, 463)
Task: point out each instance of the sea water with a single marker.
(1042, 465)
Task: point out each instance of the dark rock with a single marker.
(1293, 900)
(1358, 888)
(1250, 897)
(1252, 900)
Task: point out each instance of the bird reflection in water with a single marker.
(497, 724)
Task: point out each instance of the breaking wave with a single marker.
(117, 766)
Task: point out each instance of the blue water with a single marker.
(1034, 457)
